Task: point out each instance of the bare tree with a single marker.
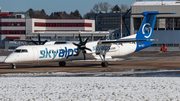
(124, 8)
(43, 14)
(95, 8)
(102, 6)
(63, 15)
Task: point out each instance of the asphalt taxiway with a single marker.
(142, 60)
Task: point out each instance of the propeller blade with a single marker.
(78, 51)
(44, 42)
(75, 44)
(34, 42)
(82, 46)
(86, 40)
(80, 39)
(88, 49)
(84, 52)
(39, 39)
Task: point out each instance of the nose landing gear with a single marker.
(13, 66)
(62, 63)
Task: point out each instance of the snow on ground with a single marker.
(89, 88)
(2, 58)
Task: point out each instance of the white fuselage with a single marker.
(66, 52)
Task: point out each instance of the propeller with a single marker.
(39, 41)
(82, 46)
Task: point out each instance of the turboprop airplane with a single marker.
(67, 51)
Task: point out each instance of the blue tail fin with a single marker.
(146, 30)
(147, 26)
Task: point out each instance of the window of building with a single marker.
(137, 23)
(176, 23)
(12, 24)
(169, 23)
(161, 23)
(12, 32)
(22, 32)
(63, 24)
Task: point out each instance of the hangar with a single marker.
(167, 27)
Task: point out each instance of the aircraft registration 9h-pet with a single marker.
(68, 51)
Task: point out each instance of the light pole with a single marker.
(121, 24)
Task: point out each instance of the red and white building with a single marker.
(61, 25)
(18, 28)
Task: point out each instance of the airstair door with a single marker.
(35, 53)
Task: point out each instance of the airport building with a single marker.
(23, 28)
(111, 22)
(166, 30)
(167, 27)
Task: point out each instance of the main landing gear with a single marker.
(104, 63)
(62, 63)
(13, 66)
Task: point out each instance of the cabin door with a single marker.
(35, 53)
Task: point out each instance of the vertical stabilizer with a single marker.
(147, 26)
(146, 30)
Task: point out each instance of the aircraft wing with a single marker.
(123, 41)
(22, 40)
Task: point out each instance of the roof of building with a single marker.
(154, 3)
(66, 33)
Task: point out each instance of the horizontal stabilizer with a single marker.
(150, 14)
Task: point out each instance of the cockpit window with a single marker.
(17, 51)
(24, 50)
(20, 50)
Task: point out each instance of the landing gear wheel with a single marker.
(104, 64)
(13, 66)
(62, 63)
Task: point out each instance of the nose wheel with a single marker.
(13, 66)
(62, 63)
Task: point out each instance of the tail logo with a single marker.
(147, 30)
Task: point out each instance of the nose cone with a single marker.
(8, 60)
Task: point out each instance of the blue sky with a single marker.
(56, 5)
